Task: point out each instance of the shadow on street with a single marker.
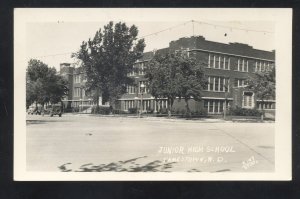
(122, 166)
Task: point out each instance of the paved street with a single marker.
(90, 143)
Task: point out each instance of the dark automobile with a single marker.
(56, 109)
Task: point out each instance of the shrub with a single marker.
(201, 112)
(75, 109)
(182, 112)
(163, 111)
(238, 111)
(118, 111)
(68, 110)
(104, 110)
(132, 110)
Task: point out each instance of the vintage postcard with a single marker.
(152, 94)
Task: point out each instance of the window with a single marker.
(141, 69)
(211, 104)
(221, 62)
(130, 89)
(133, 70)
(242, 65)
(239, 82)
(248, 100)
(146, 90)
(76, 92)
(206, 105)
(226, 63)
(214, 106)
(218, 62)
(263, 66)
(222, 81)
(77, 78)
(219, 84)
(217, 65)
(128, 104)
(211, 83)
(185, 52)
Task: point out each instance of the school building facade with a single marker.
(227, 67)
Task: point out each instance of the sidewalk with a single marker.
(172, 119)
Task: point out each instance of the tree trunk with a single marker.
(42, 109)
(188, 111)
(262, 111)
(170, 103)
(97, 100)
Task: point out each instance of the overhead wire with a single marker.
(176, 26)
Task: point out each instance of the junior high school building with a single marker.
(227, 66)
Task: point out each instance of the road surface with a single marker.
(91, 143)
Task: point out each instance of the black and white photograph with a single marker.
(152, 94)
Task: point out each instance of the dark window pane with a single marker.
(216, 84)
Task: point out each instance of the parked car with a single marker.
(56, 109)
(37, 110)
(31, 110)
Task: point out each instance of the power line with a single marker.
(54, 54)
(170, 28)
(233, 28)
(176, 26)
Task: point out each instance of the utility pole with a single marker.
(193, 27)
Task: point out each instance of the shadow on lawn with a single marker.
(122, 166)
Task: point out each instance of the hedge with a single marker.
(237, 111)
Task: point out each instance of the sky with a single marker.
(53, 41)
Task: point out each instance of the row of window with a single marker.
(138, 69)
(240, 82)
(129, 104)
(266, 105)
(262, 66)
(215, 105)
(242, 65)
(218, 61)
(132, 90)
(147, 105)
(218, 84)
(78, 78)
(78, 92)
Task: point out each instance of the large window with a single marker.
(240, 82)
(242, 65)
(77, 92)
(218, 61)
(77, 78)
(248, 100)
(130, 89)
(263, 66)
(141, 68)
(214, 106)
(133, 72)
(128, 104)
(218, 84)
